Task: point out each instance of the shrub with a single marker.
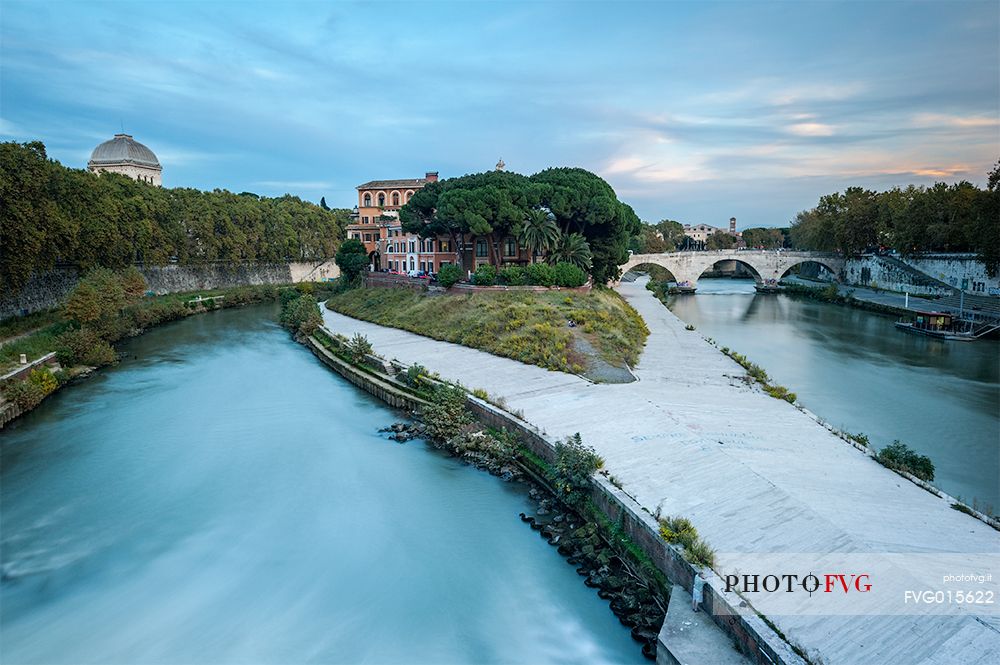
(446, 416)
(899, 456)
(677, 530)
(358, 347)
(83, 347)
(486, 275)
(514, 276)
(415, 375)
(575, 464)
(689, 327)
(780, 392)
(569, 275)
(33, 389)
(44, 379)
(681, 531)
(25, 394)
(541, 274)
(700, 554)
(449, 275)
(481, 394)
(859, 438)
(300, 313)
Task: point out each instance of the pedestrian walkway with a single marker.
(754, 474)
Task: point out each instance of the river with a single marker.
(222, 497)
(858, 372)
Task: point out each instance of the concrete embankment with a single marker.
(757, 477)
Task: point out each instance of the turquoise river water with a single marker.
(222, 497)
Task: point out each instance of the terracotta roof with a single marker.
(394, 184)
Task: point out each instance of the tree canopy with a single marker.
(948, 218)
(53, 214)
(496, 204)
(763, 237)
(664, 236)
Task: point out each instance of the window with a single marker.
(510, 248)
(364, 220)
(357, 236)
(444, 246)
(481, 247)
(413, 248)
(407, 196)
(395, 198)
(368, 237)
(423, 266)
(381, 199)
(411, 263)
(368, 201)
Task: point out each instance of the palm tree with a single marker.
(572, 248)
(539, 232)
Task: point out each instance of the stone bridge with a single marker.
(765, 265)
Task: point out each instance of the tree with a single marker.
(352, 259)
(572, 248)
(489, 205)
(538, 232)
(764, 238)
(584, 203)
(322, 203)
(51, 213)
(720, 240)
(985, 233)
(101, 296)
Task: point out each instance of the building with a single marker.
(123, 154)
(699, 233)
(376, 224)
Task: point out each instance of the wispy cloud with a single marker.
(688, 109)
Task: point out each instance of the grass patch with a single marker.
(534, 328)
(34, 345)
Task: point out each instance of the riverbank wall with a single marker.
(929, 274)
(48, 289)
(752, 635)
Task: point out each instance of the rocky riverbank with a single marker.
(638, 603)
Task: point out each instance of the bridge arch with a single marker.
(766, 265)
(818, 261)
(647, 264)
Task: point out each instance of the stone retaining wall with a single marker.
(47, 290)
(869, 271)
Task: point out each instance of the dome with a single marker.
(123, 149)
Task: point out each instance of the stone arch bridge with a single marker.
(767, 266)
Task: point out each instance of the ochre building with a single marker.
(376, 224)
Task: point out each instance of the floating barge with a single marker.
(940, 325)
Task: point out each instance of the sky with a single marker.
(696, 112)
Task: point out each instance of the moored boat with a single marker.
(941, 325)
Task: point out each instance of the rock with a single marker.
(398, 427)
(649, 650)
(558, 518)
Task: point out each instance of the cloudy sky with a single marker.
(692, 111)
